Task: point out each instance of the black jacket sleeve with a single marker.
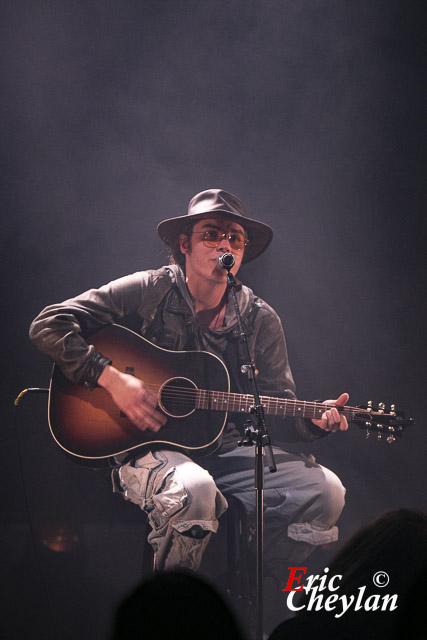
(61, 330)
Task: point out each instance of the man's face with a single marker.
(201, 260)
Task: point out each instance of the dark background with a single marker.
(114, 114)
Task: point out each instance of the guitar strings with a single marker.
(182, 395)
(234, 397)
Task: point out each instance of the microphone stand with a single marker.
(260, 438)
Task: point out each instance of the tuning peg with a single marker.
(393, 409)
(380, 429)
(381, 407)
(370, 405)
(391, 437)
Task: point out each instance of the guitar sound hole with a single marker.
(178, 397)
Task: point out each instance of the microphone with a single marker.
(226, 261)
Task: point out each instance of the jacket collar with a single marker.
(183, 303)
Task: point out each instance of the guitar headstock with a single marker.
(388, 424)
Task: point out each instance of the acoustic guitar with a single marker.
(193, 388)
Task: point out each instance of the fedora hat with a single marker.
(218, 202)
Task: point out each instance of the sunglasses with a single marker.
(212, 238)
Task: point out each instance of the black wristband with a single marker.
(94, 367)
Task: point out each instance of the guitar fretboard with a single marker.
(242, 403)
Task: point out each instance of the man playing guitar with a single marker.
(185, 307)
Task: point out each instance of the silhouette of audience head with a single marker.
(395, 544)
(175, 606)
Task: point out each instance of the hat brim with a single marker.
(259, 233)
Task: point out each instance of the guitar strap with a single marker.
(155, 330)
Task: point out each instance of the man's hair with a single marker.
(176, 256)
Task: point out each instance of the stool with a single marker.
(239, 561)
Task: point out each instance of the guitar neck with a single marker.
(286, 407)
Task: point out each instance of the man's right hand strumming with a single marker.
(134, 398)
